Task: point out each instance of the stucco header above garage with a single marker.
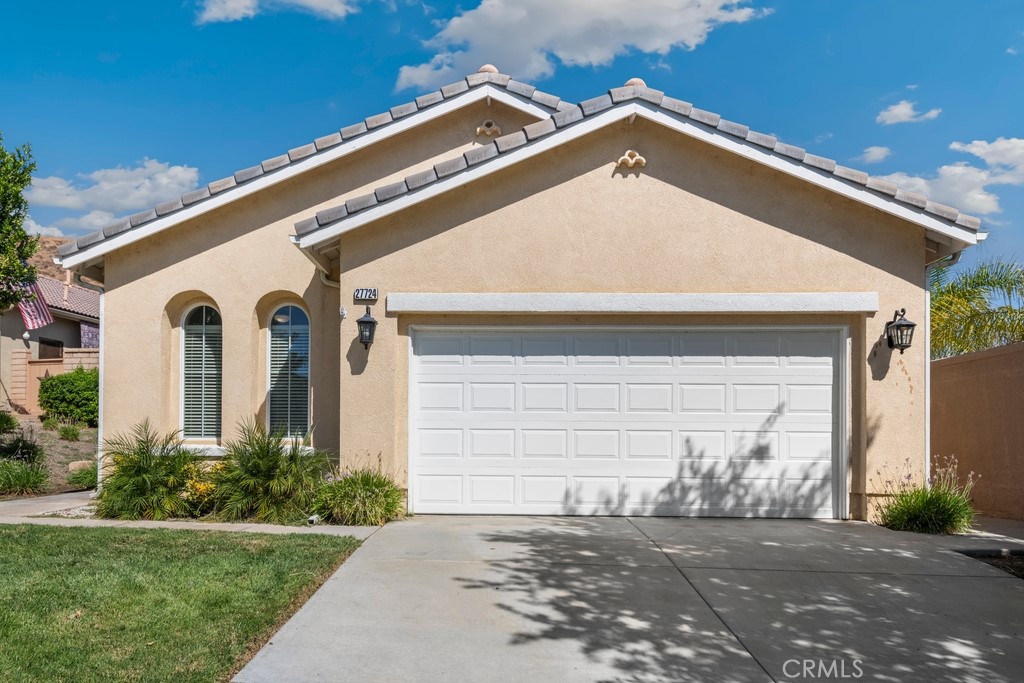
(944, 225)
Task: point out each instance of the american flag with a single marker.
(34, 312)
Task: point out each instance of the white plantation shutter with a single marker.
(201, 381)
(289, 372)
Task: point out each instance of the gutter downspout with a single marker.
(947, 261)
(77, 277)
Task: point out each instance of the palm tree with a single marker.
(977, 309)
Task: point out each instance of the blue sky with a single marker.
(130, 103)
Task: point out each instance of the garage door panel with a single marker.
(545, 443)
(702, 445)
(756, 398)
(718, 422)
(596, 398)
(545, 397)
(702, 398)
(648, 398)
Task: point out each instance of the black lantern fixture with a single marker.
(367, 326)
(900, 331)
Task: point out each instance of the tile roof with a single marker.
(635, 90)
(486, 76)
(62, 296)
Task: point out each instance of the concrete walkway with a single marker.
(26, 511)
(487, 599)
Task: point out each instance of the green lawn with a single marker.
(100, 604)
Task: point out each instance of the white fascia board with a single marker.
(614, 115)
(419, 118)
(823, 179)
(612, 302)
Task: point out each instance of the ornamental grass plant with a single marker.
(943, 506)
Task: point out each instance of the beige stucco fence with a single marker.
(978, 415)
(27, 373)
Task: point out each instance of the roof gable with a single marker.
(484, 85)
(68, 298)
(944, 224)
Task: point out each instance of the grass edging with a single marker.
(123, 604)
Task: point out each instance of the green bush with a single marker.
(22, 478)
(22, 448)
(8, 423)
(69, 431)
(942, 507)
(51, 424)
(266, 479)
(199, 489)
(363, 497)
(84, 478)
(73, 396)
(148, 476)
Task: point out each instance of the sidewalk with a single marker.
(997, 526)
(24, 511)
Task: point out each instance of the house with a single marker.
(628, 305)
(28, 355)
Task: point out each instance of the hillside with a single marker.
(43, 258)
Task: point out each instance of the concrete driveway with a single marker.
(481, 599)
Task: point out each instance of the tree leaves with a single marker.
(16, 246)
(978, 309)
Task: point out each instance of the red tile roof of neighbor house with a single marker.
(64, 296)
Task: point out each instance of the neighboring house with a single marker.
(76, 316)
(626, 306)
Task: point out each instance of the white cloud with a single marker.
(967, 187)
(911, 86)
(529, 38)
(875, 154)
(212, 11)
(904, 111)
(34, 228)
(94, 220)
(226, 10)
(115, 190)
(1012, 51)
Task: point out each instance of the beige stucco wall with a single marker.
(238, 258)
(695, 219)
(11, 329)
(976, 407)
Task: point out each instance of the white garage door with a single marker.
(682, 422)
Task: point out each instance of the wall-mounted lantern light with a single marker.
(899, 332)
(367, 326)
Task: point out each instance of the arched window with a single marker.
(201, 374)
(288, 405)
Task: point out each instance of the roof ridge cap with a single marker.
(651, 97)
(320, 144)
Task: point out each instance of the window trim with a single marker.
(269, 364)
(204, 440)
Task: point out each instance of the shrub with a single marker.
(266, 479)
(363, 497)
(8, 423)
(69, 431)
(148, 476)
(22, 478)
(84, 478)
(51, 424)
(942, 507)
(73, 396)
(199, 488)
(23, 448)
